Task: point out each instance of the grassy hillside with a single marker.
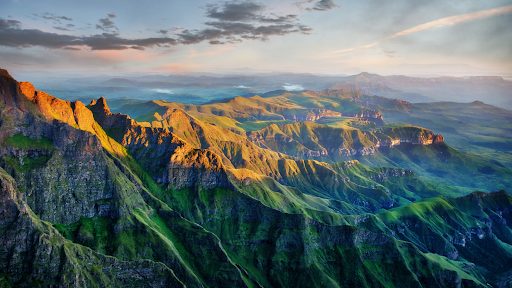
(474, 127)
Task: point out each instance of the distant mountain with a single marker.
(491, 89)
(374, 88)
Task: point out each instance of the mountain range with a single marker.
(200, 88)
(284, 189)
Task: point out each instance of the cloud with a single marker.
(234, 11)
(166, 91)
(233, 22)
(324, 5)
(106, 24)
(293, 87)
(447, 21)
(51, 16)
(244, 12)
(107, 41)
(236, 21)
(278, 19)
(22, 38)
(233, 31)
(4, 24)
(61, 28)
(389, 53)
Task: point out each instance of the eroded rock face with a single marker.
(412, 135)
(282, 140)
(64, 172)
(33, 252)
(107, 119)
(169, 159)
(313, 115)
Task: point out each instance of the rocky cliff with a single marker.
(315, 140)
(165, 156)
(77, 179)
(33, 254)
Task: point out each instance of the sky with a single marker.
(442, 37)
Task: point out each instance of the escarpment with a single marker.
(310, 140)
(33, 252)
(169, 159)
(60, 162)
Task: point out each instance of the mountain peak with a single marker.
(100, 106)
(28, 89)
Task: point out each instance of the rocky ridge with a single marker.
(165, 156)
(328, 140)
(68, 176)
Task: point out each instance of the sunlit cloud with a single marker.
(443, 22)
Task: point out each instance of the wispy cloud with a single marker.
(443, 22)
(51, 16)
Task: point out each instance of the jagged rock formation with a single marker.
(313, 115)
(107, 119)
(165, 156)
(68, 175)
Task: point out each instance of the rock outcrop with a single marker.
(313, 115)
(337, 142)
(33, 253)
(169, 159)
(60, 162)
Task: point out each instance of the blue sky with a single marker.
(318, 36)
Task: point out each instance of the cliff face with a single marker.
(313, 115)
(486, 217)
(35, 254)
(314, 140)
(58, 160)
(165, 156)
(107, 119)
(304, 247)
(72, 177)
